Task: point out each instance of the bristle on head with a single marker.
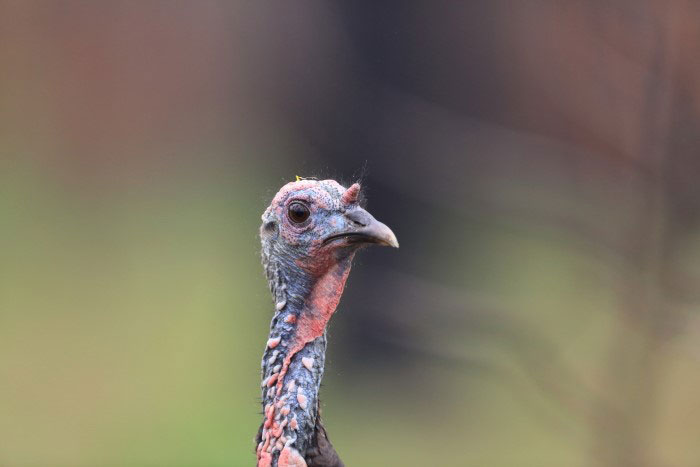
(351, 194)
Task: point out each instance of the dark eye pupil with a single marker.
(298, 212)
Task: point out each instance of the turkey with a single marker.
(309, 234)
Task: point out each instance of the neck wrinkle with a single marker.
(293, 361)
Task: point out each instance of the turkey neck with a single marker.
(293, 361)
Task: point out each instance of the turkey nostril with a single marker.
(359, 218)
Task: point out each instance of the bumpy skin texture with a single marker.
(307, 264)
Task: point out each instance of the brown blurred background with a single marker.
(538, 161)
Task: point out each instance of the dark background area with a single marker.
(538, 161)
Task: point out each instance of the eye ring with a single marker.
(298, 212)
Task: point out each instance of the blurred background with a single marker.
(537, 160)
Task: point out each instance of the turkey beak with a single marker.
(366, 229)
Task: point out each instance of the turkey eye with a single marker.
(298, 213)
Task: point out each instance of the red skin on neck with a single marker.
(319, 308)
(311, 324)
